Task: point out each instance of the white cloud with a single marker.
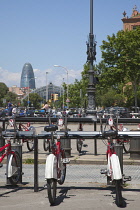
(54, 77)
(12, 78)
(9, 78)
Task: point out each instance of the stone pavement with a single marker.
(99, 159)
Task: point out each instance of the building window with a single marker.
(134, 27)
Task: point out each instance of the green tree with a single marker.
(35, 100)
(78, 90)
(121, 55)
(11, 97)
(3, 91)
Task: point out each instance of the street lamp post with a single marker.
(91, 57)
(67, 83)
(29, 89)
(63, 94)
(46, 88)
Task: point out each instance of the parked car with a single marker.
(122, 112)
(29, 113)
(3, 112)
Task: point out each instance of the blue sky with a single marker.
(49, 32)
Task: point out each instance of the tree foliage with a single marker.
(34, 99)
(121, 56)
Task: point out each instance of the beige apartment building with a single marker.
(130, 23)
(16, 90)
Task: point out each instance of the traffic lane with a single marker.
(69, 196)
(89, 143)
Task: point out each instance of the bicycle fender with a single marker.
(116, 167)
(51, 167)
(9, 166)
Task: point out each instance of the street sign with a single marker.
(67, 100)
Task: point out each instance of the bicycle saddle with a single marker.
(110, 133)
(51, 128)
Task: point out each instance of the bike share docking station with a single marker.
(66, 143)
(135, 146)
(72, 135)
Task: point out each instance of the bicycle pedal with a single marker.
(66, 160)
(103, 171)
(1, 165)
(45, 185)
(127, 178)
(85, 145)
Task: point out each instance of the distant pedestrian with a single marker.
(46, 107)
(9, 107)
(14, 110)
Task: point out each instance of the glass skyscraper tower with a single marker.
(27, 77)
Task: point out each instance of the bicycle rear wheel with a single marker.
(62, 169)
(119, 199)
(46, 145)
(14, 168)
(51, 189)
(30, 142)
(79, 145)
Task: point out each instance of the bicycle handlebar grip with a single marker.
(110, 133)
(51, 128)
(71, 113)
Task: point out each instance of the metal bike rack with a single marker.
(74, 135)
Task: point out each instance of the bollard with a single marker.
(135, 149)
(95, 140)
(66, 145)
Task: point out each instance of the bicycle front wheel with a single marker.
(126, 145)
(14, 168)
(62, 169)
(119, 199)
(51, 188)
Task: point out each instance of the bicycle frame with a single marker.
(25, 128)
(7, 152)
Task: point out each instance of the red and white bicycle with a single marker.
(113, 172)
(55, 170)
